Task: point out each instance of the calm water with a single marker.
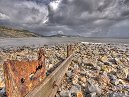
(36, 42)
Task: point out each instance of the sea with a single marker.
(39, 42)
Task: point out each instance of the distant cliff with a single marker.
(15, 33)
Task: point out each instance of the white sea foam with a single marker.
(91, 43)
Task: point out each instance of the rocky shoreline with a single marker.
(97, 69)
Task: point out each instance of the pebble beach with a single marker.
(97, 69)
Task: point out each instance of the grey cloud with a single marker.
(23, 12)
(122, 29)
(88, 9)
(78, 17)
(96, 14)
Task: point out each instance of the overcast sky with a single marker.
(90, 18)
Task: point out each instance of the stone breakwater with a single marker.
(97, 70)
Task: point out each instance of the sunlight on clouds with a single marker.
(3, 16)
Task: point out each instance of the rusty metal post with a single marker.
(50, 85)
(41, 58)
(69, 50)
(23, 76)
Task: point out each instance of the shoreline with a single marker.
(38, 42)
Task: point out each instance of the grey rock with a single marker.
(75, 79)
(69, 73)
(115, 94)
(75, 89)
(113, 79)
(73, 95)
(83, 73)
(122, 72)
(83, 65)
(92, 87)
(113, 61)
(111, 76)
(91, 95)
(65, 93)
(57, 95)
(107, 63)
(3, 92)
(98, 68)
(76, 66)
(128, 77)
(69, 79)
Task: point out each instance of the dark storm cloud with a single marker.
(93, 16)
(79, 17)
(23, 13)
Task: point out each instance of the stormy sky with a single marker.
(89, 18)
